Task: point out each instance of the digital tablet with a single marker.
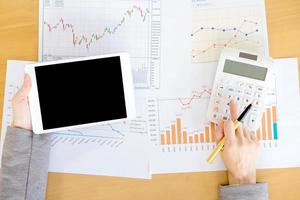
(80, 92)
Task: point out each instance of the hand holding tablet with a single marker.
(80, 92)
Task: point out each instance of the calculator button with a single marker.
(248, 92)
(226, 111)
(225, 117)
(256, 102)
(238, 99)
(230, 89)
(252, 120)
(246, 100)
(218, 101)
(227, 104)
(240, 84)
(229, 97)
(259, 88)
(219, 94)
(239, 91)
(254, 109)
(220, 87)
(215, 115)
(249, 87)
(257, 95)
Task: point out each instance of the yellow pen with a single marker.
(220, 145)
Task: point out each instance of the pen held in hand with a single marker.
(220, 145)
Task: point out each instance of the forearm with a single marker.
(15, 163)
(24, 165)
(257, 191)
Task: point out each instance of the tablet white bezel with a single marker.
(34, 102)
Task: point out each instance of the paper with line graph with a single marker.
(242, 27)
(111, 150)
(73, 28)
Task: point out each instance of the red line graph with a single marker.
(186, 102)
(88, 40)
(232, 40)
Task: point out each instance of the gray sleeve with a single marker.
(24, 165)
(257, 191)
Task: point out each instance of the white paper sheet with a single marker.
(119, 149)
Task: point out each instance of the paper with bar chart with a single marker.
(240, 27)
(181, 137)
(73, 28)
(100, 150)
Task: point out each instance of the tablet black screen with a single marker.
(81, 92)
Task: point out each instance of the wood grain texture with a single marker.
(19, 40)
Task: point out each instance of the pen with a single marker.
(220, 145)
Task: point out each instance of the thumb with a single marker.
(25, 89)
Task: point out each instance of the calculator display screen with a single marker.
(244, 69)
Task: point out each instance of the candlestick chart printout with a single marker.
(73, 28)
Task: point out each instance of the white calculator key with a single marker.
(220, 87)
(247, 100)
(257, 95)
(226, 117)
(229, 97)
(226, 104)
(226, 111)
(215, 115)
(257, 102)
(240, 84)
(230, 89)
(238, 99)
(239, 91)
(219, 94)
(254, 109)
(249, 87)
(259, 88)
(248, 92)
(218, 101)
(252, 120)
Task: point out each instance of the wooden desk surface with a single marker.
(19, 40)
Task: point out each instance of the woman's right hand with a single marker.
(241, 150)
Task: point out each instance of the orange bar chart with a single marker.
(191, 139)
(175, 134)
(268, 129)
(168, 137)
(206, 134)
(162, 139)
(178, 126)
(184, 137)
(212, 129)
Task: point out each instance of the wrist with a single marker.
(250, 178)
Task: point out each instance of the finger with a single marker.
(25, 89)
(246, 133)
(253, 136)
(233, 110)
(229, 131)
(239, 132)
(219, 130)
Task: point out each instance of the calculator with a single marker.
(241, 76)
